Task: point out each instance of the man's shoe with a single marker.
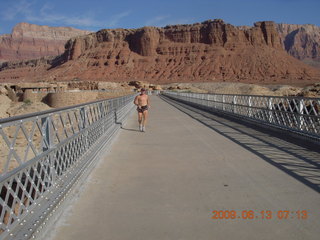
(140, 128)
(143, 129)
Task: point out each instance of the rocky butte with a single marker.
(301, 41)
(28, 41)
(207, 51)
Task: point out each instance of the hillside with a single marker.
(301, 41)
(28, 41)
(208, 51)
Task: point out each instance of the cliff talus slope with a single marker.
(208, 51)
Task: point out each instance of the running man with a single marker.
(143, 104)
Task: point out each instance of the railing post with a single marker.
(83, 117)
(84, 124)
(270, 107)
(115, 105)
(235, 104)
(250, 105)
(215, 101)
(223, 101)
(102, 116)
(46, 142)
(301, 120)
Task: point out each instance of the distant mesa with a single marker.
(28, 41)
(209, 51)
(301, 42)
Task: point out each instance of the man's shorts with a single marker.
(142, 109)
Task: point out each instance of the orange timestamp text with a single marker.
(263, 214)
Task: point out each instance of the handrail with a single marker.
(43, 154)
(35, 114)
(297, 114)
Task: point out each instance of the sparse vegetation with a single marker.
(27, 101)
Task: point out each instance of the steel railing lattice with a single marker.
(43, 155)
(297, 114)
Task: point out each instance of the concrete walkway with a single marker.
(165, 183)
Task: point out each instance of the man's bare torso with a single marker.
(142, 100)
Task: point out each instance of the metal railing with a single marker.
(78, 90)
(44, 154)
(297, 114)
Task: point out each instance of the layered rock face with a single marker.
(208, 51)
(152, 41)
(29, 41)
(301, 41)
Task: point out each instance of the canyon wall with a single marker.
(207, 51)
(301, 41)
(28, 41)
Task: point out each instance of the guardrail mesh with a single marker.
(43, 154)
(297, 114)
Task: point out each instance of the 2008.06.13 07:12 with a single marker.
(264, 214)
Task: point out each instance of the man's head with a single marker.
(143, 90)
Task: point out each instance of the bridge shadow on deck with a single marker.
(299, 159)
(130, 129)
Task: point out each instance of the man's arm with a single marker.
(136, 101)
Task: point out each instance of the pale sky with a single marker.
(97, 14)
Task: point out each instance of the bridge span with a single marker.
(198, 176)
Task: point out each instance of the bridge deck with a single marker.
(165, 183)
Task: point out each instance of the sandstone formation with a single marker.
(301, 41)
(208, 51)
(28, 41)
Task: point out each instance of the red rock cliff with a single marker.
(208, 51)
(29, 41)
(301, 41)
(148, 41)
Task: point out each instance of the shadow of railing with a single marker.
(130, 129)
(300, 162)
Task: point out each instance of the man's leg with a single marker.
(140, 120)
(144, 121)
